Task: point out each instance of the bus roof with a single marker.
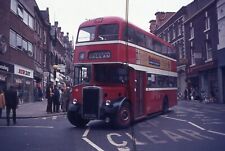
(113, 19)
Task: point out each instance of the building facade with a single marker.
(193, 31)
(27, 54)
(221, 49)
(201, 45)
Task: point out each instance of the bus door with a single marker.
(137, 92)
(140, 93)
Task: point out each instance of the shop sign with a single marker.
(22, 71)
(6, 67)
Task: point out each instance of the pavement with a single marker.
(32, 110)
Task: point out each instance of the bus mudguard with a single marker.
(114, 106)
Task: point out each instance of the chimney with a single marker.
(152, 26)
(56, 24)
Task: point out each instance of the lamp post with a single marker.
(127, 10)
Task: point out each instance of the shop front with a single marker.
(23, 79)
(6, 71)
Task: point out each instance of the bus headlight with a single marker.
(107, 102)
(74, 101)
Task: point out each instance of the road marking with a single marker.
(195, 125)
(189, 110)
(216, 132)
(201, 128)
(177, 119)
(54, 117)
(92, 144)
(86, 132)
(135, 140)
(84, 137)
(122, 144)
(27, 127)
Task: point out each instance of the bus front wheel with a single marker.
(123, 116)
(76, 119)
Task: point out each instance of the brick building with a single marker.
(193, 31)
(27, 54)
(201, 44)
(221, 48)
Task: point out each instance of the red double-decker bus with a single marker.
(122, 73)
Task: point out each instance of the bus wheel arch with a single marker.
(123, 117)
(165, 104)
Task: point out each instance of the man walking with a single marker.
(11, 104)
(56, 97)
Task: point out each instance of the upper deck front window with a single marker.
(86, 34)
(108, 32)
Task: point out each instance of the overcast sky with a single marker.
(71, 13)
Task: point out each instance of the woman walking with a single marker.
(2, 102)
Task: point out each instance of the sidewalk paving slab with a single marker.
(32, 110)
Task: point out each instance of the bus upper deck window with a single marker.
(108, 32)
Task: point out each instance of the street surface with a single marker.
(188, 127)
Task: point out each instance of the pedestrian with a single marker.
(49, 94)
(56, 97)
(12, 101)
(2, 101)
(40, 94)
(65, 97)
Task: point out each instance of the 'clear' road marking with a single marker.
(92, 144)
(216, 132)
(86, 132)
(54, 117)
(27, 126)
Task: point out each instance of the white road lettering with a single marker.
(153, 138)
(109, 137)
(136, 141)
(195, 134)
(124, 149)
(175, 137)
